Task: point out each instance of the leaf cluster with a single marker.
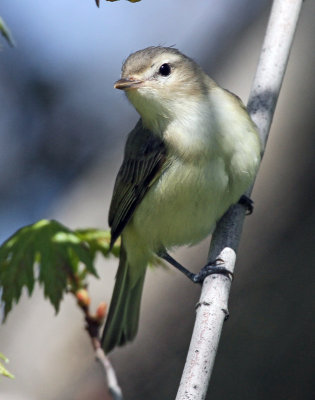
(48, 252)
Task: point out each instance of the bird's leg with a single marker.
(247, 203)
(210, 269)
(163, 254)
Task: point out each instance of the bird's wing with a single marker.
(145, 154)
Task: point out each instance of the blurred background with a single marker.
(62, 132)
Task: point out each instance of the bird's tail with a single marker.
(123, 316)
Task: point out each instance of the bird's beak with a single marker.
(127, 84)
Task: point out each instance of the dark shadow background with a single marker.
(62, 130)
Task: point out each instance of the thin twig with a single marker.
(212, 309)
(112, 383)
(93, 325)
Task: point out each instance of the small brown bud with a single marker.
(83, 297)
(101, 311)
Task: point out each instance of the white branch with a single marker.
(112, 382)
(212, 307)
(272, 63)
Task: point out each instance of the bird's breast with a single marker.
(184, 203)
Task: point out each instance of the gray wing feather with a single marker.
(145, 154)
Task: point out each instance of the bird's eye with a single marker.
(165, 69)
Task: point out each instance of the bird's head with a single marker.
(159, 81)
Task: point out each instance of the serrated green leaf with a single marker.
(3, 370)
(54, 248)
(99, 240)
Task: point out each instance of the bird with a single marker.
(192, 154)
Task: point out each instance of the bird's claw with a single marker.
(212, 268)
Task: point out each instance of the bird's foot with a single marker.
(213, 267)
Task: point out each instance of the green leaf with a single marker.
(99, 240)
(3, 370)
(4, 30)
(50, 246)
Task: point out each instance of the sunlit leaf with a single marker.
(3, 370)
(50, 246)
(98, 240)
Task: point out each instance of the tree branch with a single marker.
(112, 383)
(212, 307)
(93, 325)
